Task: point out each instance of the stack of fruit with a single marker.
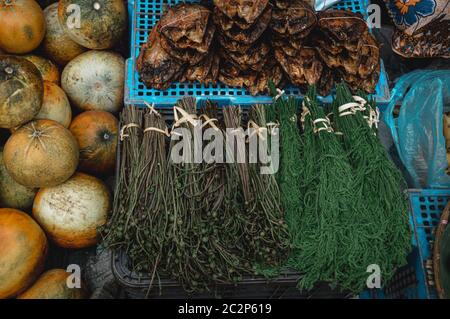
(48, 154)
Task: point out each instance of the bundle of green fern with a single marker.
(376, 180)
(333, 244)
(283, 112)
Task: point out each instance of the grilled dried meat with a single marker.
(344, 26)
(281, 4)
(298, 17)
(156, 67)
(186, 23)
(214, 71)
(363, 63)
(271, 71)
(204, 72)
(240, 81)
(294, 41)
(324, 42)
(226, 23)
(202, 47)
(253, 33)
(190, 56)
(326, 82)
(332, 61)
(230, 75)
(290, 48)
(303, 69)
(368, 84)
(312, 65)
(231, 45)
(370, 55)
(251, 53)
(248, 10)
(253, 57)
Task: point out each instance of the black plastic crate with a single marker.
(284, 286)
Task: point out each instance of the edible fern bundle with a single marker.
(120, 230)
(202, 251)
(377, 181)
(264, 236)
(332, 240)
(284, 110)
(151, 218)
(268, 227)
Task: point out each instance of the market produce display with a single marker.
(22, 26)
(55, 105)
(33, 147)
(22, 252)
(57, 45)
(21, 79)
(71, 212)
(94, 81)
(210, 223)
(96, 133)
(53, 285)
(202, 229)
(12, 194)
(336, 205)
(248, 43)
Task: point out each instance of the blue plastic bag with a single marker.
(418, 132)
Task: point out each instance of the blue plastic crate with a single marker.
(416, 280)
(144, 14)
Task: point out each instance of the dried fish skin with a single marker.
(306, 68)
(189, 56)
(326, 82)
(248, 10)
(253, 33)
(254, 58)
(185, 22)
(200, 71)
(202, 47)
(344, 26)
(155, 66)
(271, 71)
(298, 17)
(232, 46)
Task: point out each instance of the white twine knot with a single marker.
(280, 94)
(325, 125)
(126, 127)
(256, 129)
(185, 117)
(209, 121)
(272, 126)
(152, 108)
